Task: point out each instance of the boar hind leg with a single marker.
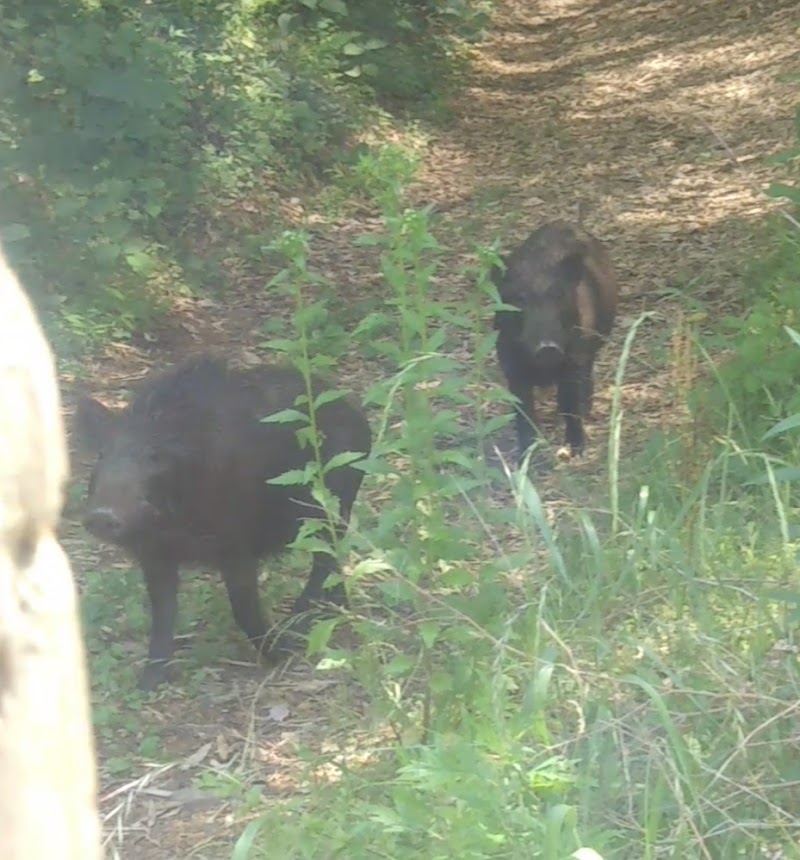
(161, 578)
(343, 484)
(571, 400)
(241, 583)
(314, 595)
(525, 416)
(322, 567)
(587, 388)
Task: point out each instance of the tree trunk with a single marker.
(48, 801)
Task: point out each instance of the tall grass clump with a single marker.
(756, 383)
(615, 676)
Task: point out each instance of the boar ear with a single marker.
(570, 270)
(93, 425)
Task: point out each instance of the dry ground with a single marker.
(660, 116)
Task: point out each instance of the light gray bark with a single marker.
(48, 784)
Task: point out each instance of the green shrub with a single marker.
(531, 683)
(759, 378)
(405, 51)
(758, 384)
(122, 126)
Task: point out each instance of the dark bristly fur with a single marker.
(561, 280)
(182, 477)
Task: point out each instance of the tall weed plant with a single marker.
(617, 678)
(756, 385)
(126, 128)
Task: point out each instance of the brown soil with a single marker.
(660, 116)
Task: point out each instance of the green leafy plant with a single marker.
(401, 50)
(122, 127)
(542, 680)
(756, 381)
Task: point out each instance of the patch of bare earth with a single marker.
(660, 116)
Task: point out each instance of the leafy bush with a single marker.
(120, 126)
(525, 683)
(435, 651)
(403, 50)
(759, 382)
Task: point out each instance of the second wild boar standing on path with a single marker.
(563, 284)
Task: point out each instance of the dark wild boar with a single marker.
(562, 281)
(182, 480)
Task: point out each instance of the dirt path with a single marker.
(659, 115)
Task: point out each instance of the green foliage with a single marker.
(758, 383)
(122, 126)
(617, 678)
(226, 786)
(314, 329)
(454, 798)
(758, 380)
(403, 50)
(619, 671)
(116, 702)
(551, 684)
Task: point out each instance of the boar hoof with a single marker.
(153, 675)
(330, 597)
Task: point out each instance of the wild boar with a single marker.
(182, 480)
(563, 284)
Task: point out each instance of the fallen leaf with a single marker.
(279, 712)
(196, 757)
(223, 748)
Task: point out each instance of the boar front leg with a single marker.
(571, 404)
(161, 578)
(241, 582)
(525, 415)
(587, 388)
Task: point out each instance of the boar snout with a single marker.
(106, 524)
(549, 354)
